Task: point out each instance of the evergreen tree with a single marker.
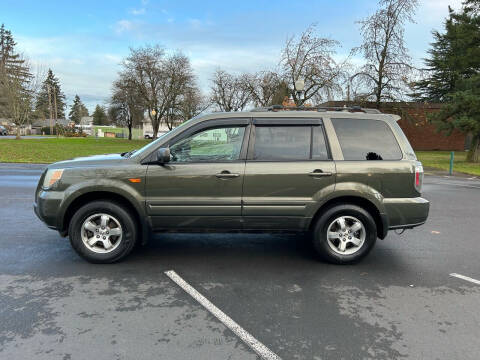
(453, 57)
(11, 62)
(454, 77)
(100, 116)
(42, 108)
(462, 112)
(17, 84)
(78, 110)
(13, 69)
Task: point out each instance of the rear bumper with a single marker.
(405, 213)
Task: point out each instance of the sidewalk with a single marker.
(439, 172)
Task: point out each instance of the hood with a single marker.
(90, 161)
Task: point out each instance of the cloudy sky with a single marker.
(84, 41)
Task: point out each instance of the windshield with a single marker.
(144, 150)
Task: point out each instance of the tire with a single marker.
(344, 247)
(117, 220)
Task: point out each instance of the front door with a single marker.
(288, 171)
(201, 187)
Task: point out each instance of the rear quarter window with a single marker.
(366, 140)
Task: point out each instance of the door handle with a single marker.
(319, 173)
(226, 175)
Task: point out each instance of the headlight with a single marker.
(52, 177)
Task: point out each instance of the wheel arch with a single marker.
(378, 217)
(85, 198)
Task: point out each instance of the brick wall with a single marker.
(423, 135)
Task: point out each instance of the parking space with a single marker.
(401, 301)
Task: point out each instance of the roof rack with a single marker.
(352, 108)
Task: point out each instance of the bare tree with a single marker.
(264, 87)
(387, 68)
(178, 78)
(159, 79)
(310, 58)
(144, 68)
(229, 92)
(192, 103)
(126, 107)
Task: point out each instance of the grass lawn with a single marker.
(441, 160)
(51, 150)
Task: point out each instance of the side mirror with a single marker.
(163, 155)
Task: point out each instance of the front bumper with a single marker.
(405, 213)
(47, 206)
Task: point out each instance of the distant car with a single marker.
(3, 131)
(148, 135)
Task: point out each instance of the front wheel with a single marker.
(102, 232)
(344, 234)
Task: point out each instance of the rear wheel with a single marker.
(102, 232)
(344, 234)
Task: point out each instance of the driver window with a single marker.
(211, 145)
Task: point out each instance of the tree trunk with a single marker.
(129, 131)
(18, 133)
(474, 152)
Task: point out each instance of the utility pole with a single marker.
(50, 108)
(55, 104)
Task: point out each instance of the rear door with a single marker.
(288, 170)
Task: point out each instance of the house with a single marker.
(37, 125)
(86, 125)
(86, 121)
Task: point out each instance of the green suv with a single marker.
(346, 176)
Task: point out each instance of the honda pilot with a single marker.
(346, 176)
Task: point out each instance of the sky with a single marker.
(83, 42)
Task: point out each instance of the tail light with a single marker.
(418, 177)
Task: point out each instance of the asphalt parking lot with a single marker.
(400, 302)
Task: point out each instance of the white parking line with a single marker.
(463, 277)
(257, 346)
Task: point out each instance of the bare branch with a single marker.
(387, 60)
(229, 92)
(310, 58)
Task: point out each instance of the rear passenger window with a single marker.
(366, 140)
(282, 143)
(285, 143)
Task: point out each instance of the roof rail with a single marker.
(352, 108)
